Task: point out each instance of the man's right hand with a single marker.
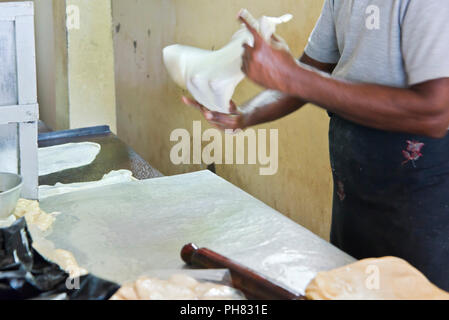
(233, 121)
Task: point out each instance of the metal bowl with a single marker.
(10, 189)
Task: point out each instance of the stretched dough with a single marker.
(212, 76)
(387, 278)
(67, 156)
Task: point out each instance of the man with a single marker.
(388, 96)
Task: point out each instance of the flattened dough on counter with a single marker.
(67, 156)
(212, 76)
(113, 177)
(397, 280)
(178, 287)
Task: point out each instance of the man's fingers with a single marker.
(233, 107)
(246, 57)
(248, 25)
(191, 102)
(195, 104)
(221, 126)
(219, 120)
(274, 37)
(218, 125)
(222, 118)
(248, 49)
(219, 117)
(244, 66)
(253, 31)
(228, 121)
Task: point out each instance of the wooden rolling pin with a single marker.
(253, 285)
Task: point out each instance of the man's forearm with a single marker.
(272, 105)
(415, 110)
(269, 106)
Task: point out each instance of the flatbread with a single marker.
(113, 177)
(177, 287)
(387, 278)
(67, 156)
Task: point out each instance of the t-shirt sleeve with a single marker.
(425, 40)
(323, 45)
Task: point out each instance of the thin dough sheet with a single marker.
(113, 177)
(67, 156)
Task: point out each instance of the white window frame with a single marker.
(26, 113)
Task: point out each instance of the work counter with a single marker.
(114, 155)
(121, 232)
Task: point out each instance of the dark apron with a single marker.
(391, 196)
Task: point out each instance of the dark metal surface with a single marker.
(75, 133)
(114, 155)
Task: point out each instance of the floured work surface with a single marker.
(120, 232)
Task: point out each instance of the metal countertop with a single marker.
(114, 155)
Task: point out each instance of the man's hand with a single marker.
(266, 65)
(233, 121)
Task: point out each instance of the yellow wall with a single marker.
(149, 107)
(45, 56)
(75, 68)
(58, 118)
(91, 66)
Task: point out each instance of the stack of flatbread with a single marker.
(387, 278)
(178, 287)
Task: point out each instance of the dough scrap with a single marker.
(66, 260)
(67, 156)
(63, 258)
(212, 76)
(34, 215)
(178, 287)
(397, 280)
(39, 222)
